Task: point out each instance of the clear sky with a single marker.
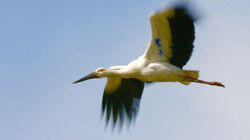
(45, 45)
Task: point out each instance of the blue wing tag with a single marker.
(158, 43)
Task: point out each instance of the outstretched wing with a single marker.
(172, 36)
(121, 99)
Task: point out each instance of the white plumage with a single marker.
(169, 50)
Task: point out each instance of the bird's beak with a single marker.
(89, 76)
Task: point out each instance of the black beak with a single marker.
(90, 76)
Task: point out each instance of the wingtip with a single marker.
(189, 8)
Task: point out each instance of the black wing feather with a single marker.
(183, 35)
(124, 102)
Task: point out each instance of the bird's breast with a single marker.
(157, 72)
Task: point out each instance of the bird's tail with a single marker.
(189, 74)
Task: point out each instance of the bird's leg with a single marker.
(213, 83)
(209, 83)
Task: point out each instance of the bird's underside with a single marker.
(121, 98)
(170, 48)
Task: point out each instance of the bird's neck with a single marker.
(122, 73)
(111, 73)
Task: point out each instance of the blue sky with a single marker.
(46, 45)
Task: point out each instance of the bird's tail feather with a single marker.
(189, 74)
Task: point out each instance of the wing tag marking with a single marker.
(158, 43)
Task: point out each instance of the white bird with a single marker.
(170, 48)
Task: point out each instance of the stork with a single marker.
(170, 47)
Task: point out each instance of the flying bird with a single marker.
(170, 47)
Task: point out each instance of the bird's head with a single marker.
(99, 73)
